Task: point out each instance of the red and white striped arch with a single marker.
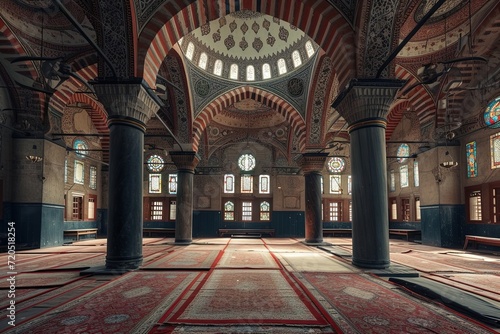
(318, 19)
(282, 107)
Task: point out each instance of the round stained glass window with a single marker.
(80, 147)
(492, 114)
(246, 162)
(403, 153)
(336, 165)
(155, 163)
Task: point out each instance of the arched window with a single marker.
(266, 71)
(229, 183)
(229, 210)
(202, 63)
(233, 72)
(309, 49)
(470, 151)
(250, 73)
(80, 147)
(297, 61)
(264, 184)
(172, 184)
(190, 51)
(155, 183)
(403, 153)
(218, 67)
(281, 66)
(265, 211)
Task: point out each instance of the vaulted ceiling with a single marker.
(208, 106)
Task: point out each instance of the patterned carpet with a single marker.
(225, 285)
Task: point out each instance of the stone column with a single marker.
(312, 164)
(185, 161)
(364, 105)
(130, 104)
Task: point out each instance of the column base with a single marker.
(124, 263)
(183, 241)
(371, 264)
(314, 241)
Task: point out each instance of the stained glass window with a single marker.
(349, 184)
(475, 205)
(80, 147)
(492, 114)
(218, 67)
(79, 172)
(264, 184)
(246, 162)
(229, 210)
(265, 211)
(336, 164)
(173, 210)
(250, 73)
(157, 210)
(297, 61)
(403, 153)
(495, 150)
(266, 71)
(172, 184)
(66, 170)
(246, 184)
(403, 176)
(470, 149)
(229, 184)
(154, 183)
(309, 49)
(202, 63)
(233, 72)
(416, 176)
(335, 184)
(190, 51)
(281, 66)
(93, 177)
(155, 163)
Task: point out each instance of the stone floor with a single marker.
(235, 285)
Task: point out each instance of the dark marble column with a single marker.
(185, 161)
(130, 105)
(365, 105)
(312, 164)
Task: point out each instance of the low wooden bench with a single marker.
(246, 232)
(80, 231)
(406, 232)
(339, 231)
(150, 231)
(476, 239)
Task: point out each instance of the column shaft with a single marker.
(314, 221)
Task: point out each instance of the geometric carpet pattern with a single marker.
(238, 285)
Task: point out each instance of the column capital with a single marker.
(128, 99)
(185, 160)
(313, 162)
(367, 99)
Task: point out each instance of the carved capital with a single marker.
(367, 99)
(128, 99)
(313, 162)
(185, 161)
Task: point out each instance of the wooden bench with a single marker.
(339, 231)
(258, 232)
(406, 232)
(166, 231)
(78, 232)
(475, 240)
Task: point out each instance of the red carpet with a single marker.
(184, 259)
(246, 297)
(239, 259)
(370, 305)
(425, 264)
(476, 264)
(57, 260)
(130, 304)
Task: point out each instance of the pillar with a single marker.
(312, 164)
(364, 105)
(185, 161)
(130, 104)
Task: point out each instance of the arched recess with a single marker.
(319, 20)
(282, 107)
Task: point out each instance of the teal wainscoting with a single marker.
(443, 225)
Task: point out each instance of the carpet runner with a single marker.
(240, 259)
(131, 303)
(363, 304)
(256, 297)
(45, 280)
(425, 264)
(313, 262)
(185, 259)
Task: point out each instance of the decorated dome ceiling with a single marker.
(248, 39)
(249, 114)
